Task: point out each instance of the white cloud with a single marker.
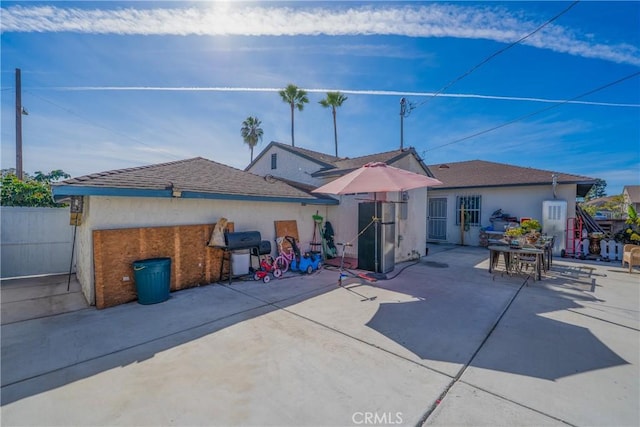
(435, 20)
(345, 91)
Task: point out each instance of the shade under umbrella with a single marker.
(377, 177)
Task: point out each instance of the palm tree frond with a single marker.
(251, 132)
(296, 98)
(334, 100)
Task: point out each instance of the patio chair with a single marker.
(521, 262)
(631, 255)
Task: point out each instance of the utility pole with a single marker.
(405, 110)
(403, 107)
(19, 112)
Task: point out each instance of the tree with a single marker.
(32, 191)
(52, 176)
(598, 190)
(251, 132)
(296, 98)
(613, 204)
(334, 100)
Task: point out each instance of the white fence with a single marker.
(34, 241)
(609, 249)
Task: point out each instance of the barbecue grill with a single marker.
(240, 241)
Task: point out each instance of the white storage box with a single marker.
(240, 262)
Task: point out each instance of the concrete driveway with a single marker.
(442, 342)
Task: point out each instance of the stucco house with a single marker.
(188, 192)
(484, 187)
(149, 210)
(298, 165)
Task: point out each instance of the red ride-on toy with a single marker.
(267, 267)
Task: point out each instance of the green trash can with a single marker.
(153, 279)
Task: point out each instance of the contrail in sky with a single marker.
(345, 91)
(464, 21)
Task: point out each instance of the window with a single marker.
(471, 209)
(274, 161)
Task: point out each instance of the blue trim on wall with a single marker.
(74, 190)
(63, 191)
(249, 198)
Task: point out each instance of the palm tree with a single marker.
(296, 98)
(334, 100)
(251, 132)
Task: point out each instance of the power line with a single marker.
(168, 155)
(526, 116)
(490, 57)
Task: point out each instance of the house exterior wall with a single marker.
(128, 212)
(521, 201)
(289, 166)
(629, 202)
(410, 232)
(344, 217)
(408, 163)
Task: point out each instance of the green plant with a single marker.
(31, 192)
(531, 225)
(514, 232)
(251, 132)
(631, 234)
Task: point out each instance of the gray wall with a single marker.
(34, 241)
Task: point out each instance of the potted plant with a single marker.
(512, 235)
(594, 242)
(531, 229)
(531, 225)
(514, 232)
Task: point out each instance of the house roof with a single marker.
(337, 166)
(346, 165)
(634, 193)
(191, 178)
(480, 173)
(600, 201)
(323, 160)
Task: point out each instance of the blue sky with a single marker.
(111, 85)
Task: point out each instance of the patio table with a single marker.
(510, 254)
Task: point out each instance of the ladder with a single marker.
(574, 232)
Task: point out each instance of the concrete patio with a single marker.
(442, 342)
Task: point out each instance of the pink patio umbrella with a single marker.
(377, 177)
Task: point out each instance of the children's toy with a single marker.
(285, 256)
(344, 274)
(307, 262)
(267, 267)
(266, 264)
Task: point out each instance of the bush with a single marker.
(631, 234)
(29, 193)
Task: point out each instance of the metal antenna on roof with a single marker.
(405, 110)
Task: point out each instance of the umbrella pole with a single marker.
(375, 235)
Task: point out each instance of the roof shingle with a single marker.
(197, 175)
(480, 173)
